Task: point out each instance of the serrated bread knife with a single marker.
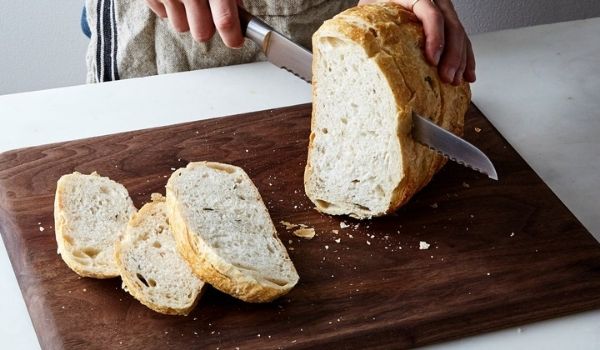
(284, 53)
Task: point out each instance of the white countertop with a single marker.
(539, 86)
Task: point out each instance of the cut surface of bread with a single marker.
(90, 211)
(369, 76)
(224, 231)
(152, 270)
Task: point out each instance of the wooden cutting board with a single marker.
(502, 253)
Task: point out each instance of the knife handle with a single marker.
(254, 29)
(245, 18)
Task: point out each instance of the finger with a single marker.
(157, 7)
(458, 77)
(176, 14)
(470, 75)
(225, 17)
(455, 42)
(199, 19)
(433, 26)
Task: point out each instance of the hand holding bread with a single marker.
(447, 45)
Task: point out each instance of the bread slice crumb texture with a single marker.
(356, 160)
(90, 211)
(225, 232)
(151, 268)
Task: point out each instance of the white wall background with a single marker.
(41, 44)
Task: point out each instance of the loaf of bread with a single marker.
(152, 270)
(369, 76)
(90, 211)
(224, 231)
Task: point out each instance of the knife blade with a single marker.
(281, 51)
(284, 53)
(451, 146)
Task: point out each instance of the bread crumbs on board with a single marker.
(307, 233)
(424, 245)
(288, 225)
(343, 225)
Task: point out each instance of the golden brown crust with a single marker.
(212, 268)
(393, 38)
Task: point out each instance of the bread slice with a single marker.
(152, 270)
(224, 231)
(369, 76)
(89, 213)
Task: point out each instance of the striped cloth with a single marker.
(128, 40)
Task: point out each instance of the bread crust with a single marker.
(61, 230)
(208, 265)
(393, 38)
(129, 280)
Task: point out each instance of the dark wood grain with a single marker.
(374, 288)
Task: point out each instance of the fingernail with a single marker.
(437, 56)
(450, 73)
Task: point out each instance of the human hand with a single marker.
(201, 17)
(446, 43)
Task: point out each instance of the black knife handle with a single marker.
(245, 18)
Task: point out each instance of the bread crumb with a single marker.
(368, 243)
(465, 185)
(477, 130)
(338, 240)
(335, 231)
(85, 290)
(246, 151)
(307, 233)
(424, 245)
(326, 247)
(434, 205)
(288, 225)
(512, 234)
(41, 228)
(350, 236)
(343, 225)
(488, 273)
